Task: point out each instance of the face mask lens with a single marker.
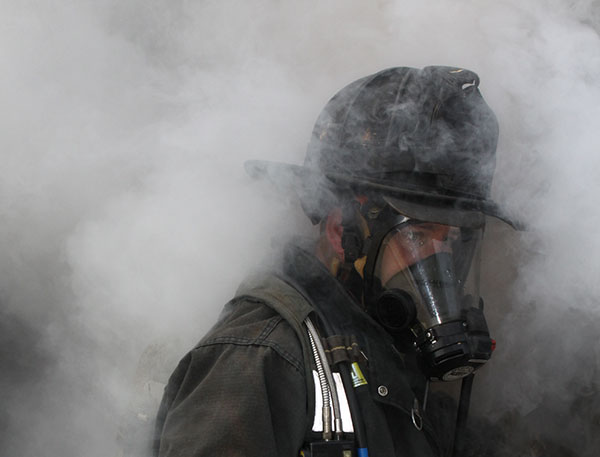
(436, 264)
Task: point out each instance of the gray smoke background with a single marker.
(127, 221)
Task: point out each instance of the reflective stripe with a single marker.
(344, 408)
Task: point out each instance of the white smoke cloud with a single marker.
(128, 221)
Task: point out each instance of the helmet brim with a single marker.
(458, 210)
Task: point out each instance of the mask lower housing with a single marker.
(453, 350)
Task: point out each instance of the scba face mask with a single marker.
(425, 292)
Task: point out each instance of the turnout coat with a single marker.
(247, 388)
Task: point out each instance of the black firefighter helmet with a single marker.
(424, 136)
(404, 152)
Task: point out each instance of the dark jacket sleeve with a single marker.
(239, 393)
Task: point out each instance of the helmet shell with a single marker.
(425, 135)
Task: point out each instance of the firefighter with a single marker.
(331, 351)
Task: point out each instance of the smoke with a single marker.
(127, 220)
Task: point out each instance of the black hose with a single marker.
(462, 414)
(358, 424)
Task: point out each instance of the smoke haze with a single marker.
(127, 220)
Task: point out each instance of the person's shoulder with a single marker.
(279, 293)
(250, 322)
(244, 318)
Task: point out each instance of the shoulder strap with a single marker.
(279, 295)
(294, 308)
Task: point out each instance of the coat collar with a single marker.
(385, 366)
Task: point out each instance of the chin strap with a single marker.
(355, 242)
(356, 232)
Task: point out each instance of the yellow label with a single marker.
(359, 265)
(358, 379)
